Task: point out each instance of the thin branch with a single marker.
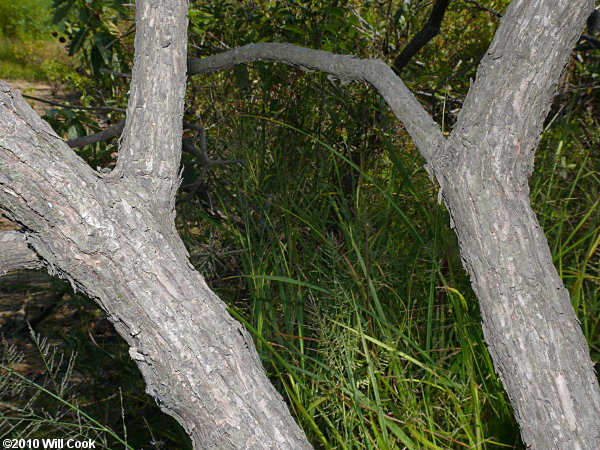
(191, 126)
(83, 108)
(423, 129)
(118, 74)
(16, 254)
(103, 135)
(112, 132)
(595, 43)
(427, 33)
(484, 8)
(201, 153)
(127, 33)
(447, 98)
(459, 73)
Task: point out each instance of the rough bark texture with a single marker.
(530, 327)
(16, 253)
(113, 235)
(483, 170)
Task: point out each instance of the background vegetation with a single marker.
(326, 240)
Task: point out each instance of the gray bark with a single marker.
(529, 324)
(114, 237)
(16, 253)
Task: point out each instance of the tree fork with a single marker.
(198, 362)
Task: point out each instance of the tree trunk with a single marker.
(113, 236)
(529, 324)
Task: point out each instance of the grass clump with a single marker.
(29, 49)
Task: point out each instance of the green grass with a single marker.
(32, 61)
(355, 293)
(329, 244)
(27, 48)
(358, 303)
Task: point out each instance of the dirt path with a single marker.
(44, 91)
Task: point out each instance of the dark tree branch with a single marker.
(127, 33)
(114, 131)
(83, 108)
(595, 43)
(16, 254)
(428, 32)
(459, 73)
(484, 8)
(118, 74)
(203, 159)
(103, 135)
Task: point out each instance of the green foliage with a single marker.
(31, 60)
(24, 19)
(93, 31)
(328, 241)
(27, 47)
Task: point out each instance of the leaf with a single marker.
(61, 13)
(78, 40)
(96, 60)
(101, 41)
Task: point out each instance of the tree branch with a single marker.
(428, 32)
(112, 132)
(515, 113)
(150, 151)
(595, 43)
(103, 135)
(422, 128)
(16, 254)
(484, 8)
(84, 108)
(115, 73)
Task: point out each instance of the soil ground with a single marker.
(44, 91)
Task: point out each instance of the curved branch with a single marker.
(427, 33)
(422, 128)
(16, 254)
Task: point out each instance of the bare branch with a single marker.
(203, 159)
(423, 129)
(112, 132)
(127, 33)
(118, 74)
(83, 108)
(484, 8)
(427, 33)
(459, 73)
(16, 254)
(595, 43)
(103, 135)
